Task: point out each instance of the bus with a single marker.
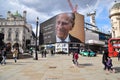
(113, 47)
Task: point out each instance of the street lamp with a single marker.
(36, 55)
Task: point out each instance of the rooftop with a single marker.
(116, 6)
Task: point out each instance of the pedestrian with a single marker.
(15, 54)
(42, 53)
(45, 52)
(69, 53)
(52, 53)
(76, 58)
(3, 56)
(73, 57)
(31, 51)
(109, 65)
(104, 58)
(0, 55)
(119, 55)
(89, 52)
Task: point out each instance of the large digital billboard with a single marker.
(47, 31)
(64, 27)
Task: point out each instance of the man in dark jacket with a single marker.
(104, 58)
(3, 56)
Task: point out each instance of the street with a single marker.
(58, 67)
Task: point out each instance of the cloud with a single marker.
(45, 9)
(46, 5)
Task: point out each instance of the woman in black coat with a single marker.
(104, 58)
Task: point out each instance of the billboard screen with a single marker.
(64, 27)
(47, 31)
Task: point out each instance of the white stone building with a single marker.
(16, 29)
(115, 20)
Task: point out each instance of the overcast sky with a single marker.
(45, 9)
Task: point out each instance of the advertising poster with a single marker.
(63, 28)
(61, 47)
(47, 31)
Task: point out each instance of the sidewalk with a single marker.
(58, 67)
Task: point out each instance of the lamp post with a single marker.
(36, 55)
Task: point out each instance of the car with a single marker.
(86, 53)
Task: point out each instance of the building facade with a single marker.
(94, 38)
(115, 20)
(16, 29)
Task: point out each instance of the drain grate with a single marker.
(52, 79)
(52, 67)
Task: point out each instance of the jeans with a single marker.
(3, 60)
(15, 59)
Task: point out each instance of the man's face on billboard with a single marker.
(63, 25)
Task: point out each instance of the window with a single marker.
(9, 34)
(2, 30)
(17, 34)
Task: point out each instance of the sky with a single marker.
(45, 9)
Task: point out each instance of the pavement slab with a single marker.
(58, 67)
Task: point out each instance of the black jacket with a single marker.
(74, 39)
(105, 56)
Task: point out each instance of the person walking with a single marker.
(89, 52)
(31, 51)
(15, 54)
(3, 56)
(42, 53)
(51, 52)
(109, 65)
(76, 58)
(45, 53)
(119, 55)
(104, 58)
(73, 53)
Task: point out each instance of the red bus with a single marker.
(113, 47)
